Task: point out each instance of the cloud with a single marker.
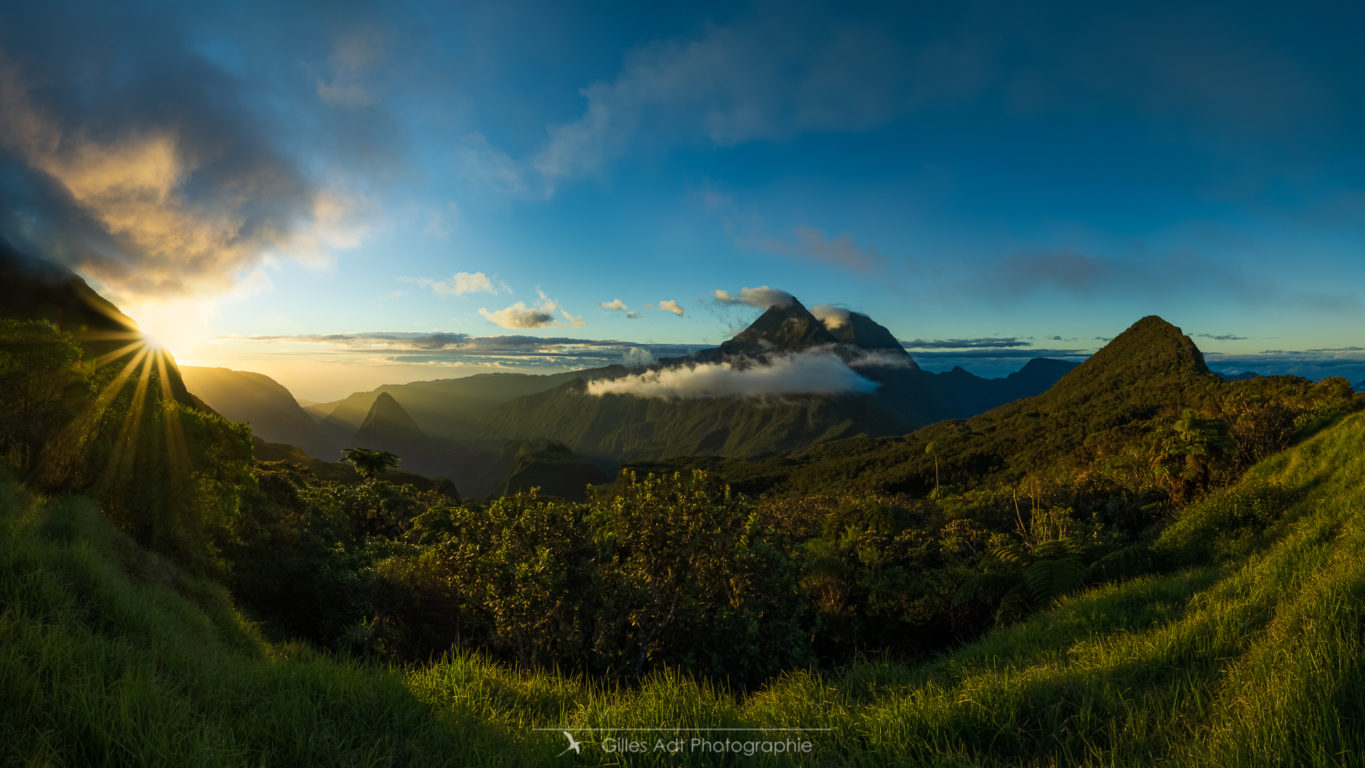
(153, 168)
(771, 77)
(765, 79)
(633, 315)
(798, 374)
(444, 348)
(519, 316)
(832, 316)
(1093, 277)
(803, 243)
(815, 246)
(1222, 337)
(671, 305)
(987, 342)
(761, 297)
(353, 54)
(637, 357)
(481, 162)
(460, 284)
(615, 305)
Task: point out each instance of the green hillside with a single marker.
(1246, 650)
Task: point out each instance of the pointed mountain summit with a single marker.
(1152, 352)
(782, 328)
(388, 426)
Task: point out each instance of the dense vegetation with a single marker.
(1249, 655)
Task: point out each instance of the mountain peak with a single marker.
(781, 328)
(1148, 352)
(387, 425)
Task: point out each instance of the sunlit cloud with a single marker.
(761, 297)
(519, 316)
(165, 205)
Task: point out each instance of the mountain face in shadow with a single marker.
(388, 427)
(863, 332)
(789, 328)
(552, 468)
(263, 403)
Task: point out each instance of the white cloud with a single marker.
(577, 322)
(761, 297)
(637, 357)
(832, 316)
(670, 305)
(633, 315)
(519, 317)
(615, 305)
(807, 373)
(459, 284)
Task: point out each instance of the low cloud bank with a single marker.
(811, 373)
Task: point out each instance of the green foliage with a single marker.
(369, 463)
(42, 386)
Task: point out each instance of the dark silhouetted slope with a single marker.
(263, 403)
(388, 427)
(789, 328)
(863, 332)
(552, 468)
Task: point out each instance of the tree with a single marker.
(1188, 452)
(369, 463)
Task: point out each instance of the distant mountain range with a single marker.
(461, 428)
(1150, 368)
(468, 429)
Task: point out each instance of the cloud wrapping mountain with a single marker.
(811, 373)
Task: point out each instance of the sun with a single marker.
(175, 329)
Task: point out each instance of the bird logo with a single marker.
(574, 746)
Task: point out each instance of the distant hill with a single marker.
(387, 427)
(1150, 368)
(258, 400)
(552, 468)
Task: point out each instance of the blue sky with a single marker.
(297, 191)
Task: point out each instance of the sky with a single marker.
(341, 196)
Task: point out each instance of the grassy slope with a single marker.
(109, 656)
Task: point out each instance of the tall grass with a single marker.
(1250, 655)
